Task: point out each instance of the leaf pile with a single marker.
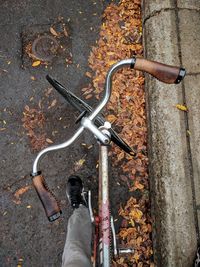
(33, 121)
(121, 37)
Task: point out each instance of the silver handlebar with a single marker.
(91, 117)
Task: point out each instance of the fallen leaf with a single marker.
(48, 91)
(19, 193)
(132, 222)
(88, 74)
(80, 162)
(88, 91)
(88, 96)
(181, 107)
(65, 32)
(27, 108)
(33, 78)
(49, 141)
(112, 62)
(20, 261)
(36, 63)
(53, 103)
(136, 256)
(83, 144)
(111, 118)
(138, 185)
(40, 104)
(53, 32)
(136, 214)
(120, 156)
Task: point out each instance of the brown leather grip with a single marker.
(164, 73)
(47, 198)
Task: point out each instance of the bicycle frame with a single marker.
(104, 207)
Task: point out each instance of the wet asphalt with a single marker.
(25, 231)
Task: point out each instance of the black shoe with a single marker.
(74, 192)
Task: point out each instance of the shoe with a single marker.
(75, 193)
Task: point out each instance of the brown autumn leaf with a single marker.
(53, 103)
(120, 156)
(88, 96)
(111, 62)
(88, 91)
(48, 91)
(84, 89)
(53, 32)
(111, 118)
(27, 108)
(138, 185)
(88, 74)
(19, 193)
(65, 31)
(49, 141)
(136, 214)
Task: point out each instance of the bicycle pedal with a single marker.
(122, 251)
(118, 251)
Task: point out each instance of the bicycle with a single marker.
(103, 132)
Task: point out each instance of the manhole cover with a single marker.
(49, 43)
(45, 47)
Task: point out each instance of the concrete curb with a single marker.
(171, 151)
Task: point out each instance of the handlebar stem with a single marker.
(88, 124)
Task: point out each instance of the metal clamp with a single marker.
(88, 124)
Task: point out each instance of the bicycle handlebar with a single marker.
(48, 199)
(164, 73)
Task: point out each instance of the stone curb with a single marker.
(175, 226)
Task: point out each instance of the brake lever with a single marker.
(99, 120)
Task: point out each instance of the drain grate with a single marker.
(50, 43)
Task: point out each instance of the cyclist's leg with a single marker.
(77, 251)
